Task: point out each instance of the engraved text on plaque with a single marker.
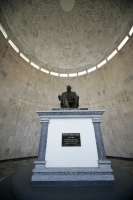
(71, 139)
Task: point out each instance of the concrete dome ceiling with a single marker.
(66, 42)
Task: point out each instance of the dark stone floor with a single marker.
(123, 163)
(11, 166)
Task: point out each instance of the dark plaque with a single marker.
(71, 139)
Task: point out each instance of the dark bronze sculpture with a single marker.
(69, 99)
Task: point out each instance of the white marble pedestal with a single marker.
(76, 165)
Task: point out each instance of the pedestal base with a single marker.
(101, 175)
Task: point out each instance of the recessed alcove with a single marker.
(25, 89)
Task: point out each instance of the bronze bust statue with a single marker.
(69, 99)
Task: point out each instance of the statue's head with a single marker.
(68, 88)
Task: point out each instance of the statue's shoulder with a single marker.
(73, 92)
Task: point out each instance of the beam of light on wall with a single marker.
(81, 73)
(54, 73)
(34, 65)
(112, 55)
(44, 70)
(13, 46)
(3, 31)
(72, 75)
(24, 57)
(123, 42)
(91, 69)
(101, 64)
(131, 31)
(63, 75)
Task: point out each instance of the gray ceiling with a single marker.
(66, 42)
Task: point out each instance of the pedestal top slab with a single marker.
(72, 113)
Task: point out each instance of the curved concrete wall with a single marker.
(24, 89)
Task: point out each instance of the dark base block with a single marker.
(73, 183)
(69, 108)
(24, 190)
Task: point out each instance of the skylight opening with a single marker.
(112, 55)
(63, 75)
(13, 46)
(101, 64)
(131, 31)
(72, 75)
(54, 73)
(3, 31)
(44, 70)
(24, 57)
(91, 69)
(123, 42)
(81, 73)
(34, 65)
